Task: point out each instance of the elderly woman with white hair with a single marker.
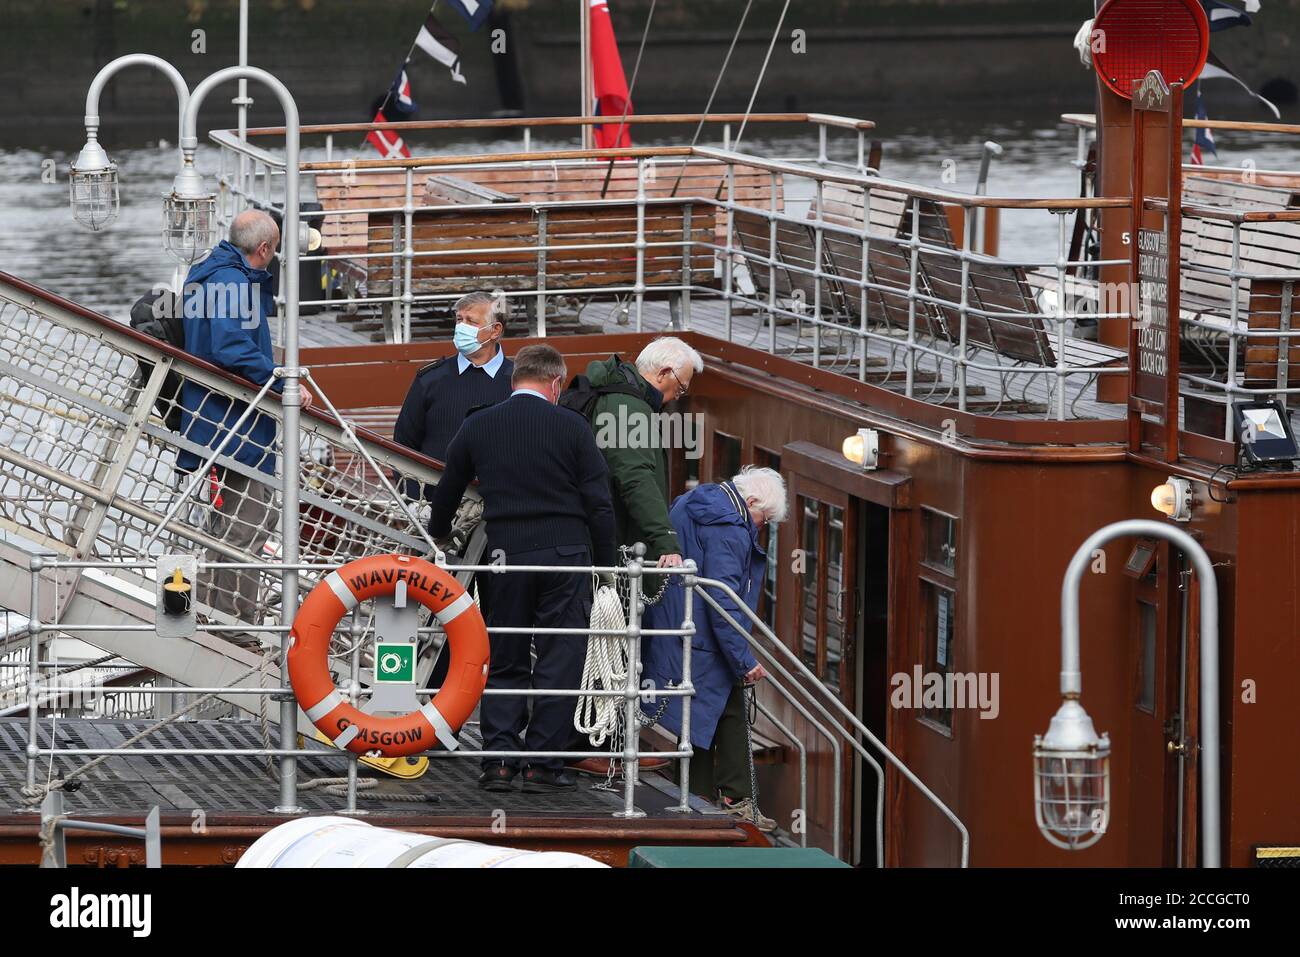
(718, 527)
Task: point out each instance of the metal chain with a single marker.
(623, 584)
(751, 713)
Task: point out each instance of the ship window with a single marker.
(1146, 696)
(768, 539)
(726, 456)
(939, 532)
(825, 636)
(810, 543)
(938, 631)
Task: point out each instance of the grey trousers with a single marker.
(246, 519)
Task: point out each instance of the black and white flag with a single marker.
(435, 40)
(1216, 70)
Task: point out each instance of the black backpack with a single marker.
(158, 314)
(581, 395)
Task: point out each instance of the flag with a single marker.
(1204, 140)
(396, 106)
(1224, 16)
(1216, 70)
(474, 11)
(610, 85)
(435, 40)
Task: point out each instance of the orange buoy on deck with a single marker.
(340, 592)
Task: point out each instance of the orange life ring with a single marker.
(336, 595)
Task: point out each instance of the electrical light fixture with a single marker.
(1173, 499)
(92, 186)
(863, 448)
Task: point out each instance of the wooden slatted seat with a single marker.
(499, 248)
(556, 182)
(608, 220)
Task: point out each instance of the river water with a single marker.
(107, 271)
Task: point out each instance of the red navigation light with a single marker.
(1132, 37)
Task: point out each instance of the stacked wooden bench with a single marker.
(1264, 249)
(486, 248)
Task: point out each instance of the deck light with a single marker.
(863, 448)
(1173, 499)
(189, 215)
(92, 186)
(1071, 762)
(1072, 779)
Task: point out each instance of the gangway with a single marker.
(89, 475)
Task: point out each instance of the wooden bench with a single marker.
(360, 189)
(498, 249)
(1263, 303)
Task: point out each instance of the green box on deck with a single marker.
(731, 857)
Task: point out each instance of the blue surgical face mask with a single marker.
(466, 339)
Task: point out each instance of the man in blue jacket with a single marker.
(228, 303)
(717, 526)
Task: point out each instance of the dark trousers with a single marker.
(724, 767)
(442, 664)
(536, 600)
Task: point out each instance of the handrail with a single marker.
(526, 122)
(834, 701)
(1088, 121)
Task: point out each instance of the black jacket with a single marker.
(541, 475)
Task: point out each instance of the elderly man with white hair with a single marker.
(718, 526)
(630, 396)
(623, 401)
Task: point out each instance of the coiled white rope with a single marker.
(597, 716)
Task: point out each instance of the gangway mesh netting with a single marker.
(88, 412)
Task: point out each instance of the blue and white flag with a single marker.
(1224, 16)
(474, 11)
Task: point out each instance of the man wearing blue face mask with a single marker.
(445, 391)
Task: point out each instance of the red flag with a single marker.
(388, 143)
(610, 85)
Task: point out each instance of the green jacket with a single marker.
(638, 467)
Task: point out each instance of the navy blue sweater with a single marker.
(541, 475)
(440, 398)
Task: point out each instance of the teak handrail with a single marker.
(519, 122)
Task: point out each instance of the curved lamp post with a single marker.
(189, 223)
(92, 180)
(1071, 763)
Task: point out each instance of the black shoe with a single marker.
(499, 777)
(546, 781)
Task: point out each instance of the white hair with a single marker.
(668, 352)
(766, 487)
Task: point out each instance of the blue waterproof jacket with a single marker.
(715, 530)
(227, 309)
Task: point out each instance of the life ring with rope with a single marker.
(335, 596)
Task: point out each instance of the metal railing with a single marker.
(871, 282)
(350, 660)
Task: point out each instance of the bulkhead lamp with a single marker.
(1173, 499)
(863, 448)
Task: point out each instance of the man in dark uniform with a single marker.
(445, 391)
(546, 498)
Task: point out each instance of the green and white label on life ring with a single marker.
(394, 663)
